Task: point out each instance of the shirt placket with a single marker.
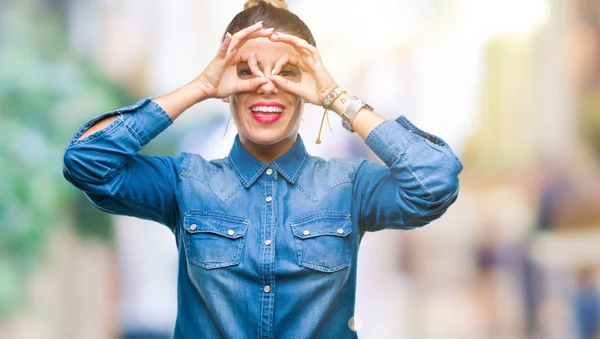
(267, 257)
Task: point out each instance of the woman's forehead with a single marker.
(267, 50)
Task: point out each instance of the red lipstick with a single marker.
(267, 112)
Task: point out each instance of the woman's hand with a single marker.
(316, 83)
(219, 79)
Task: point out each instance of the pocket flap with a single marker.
(226, 226)
(339, 226)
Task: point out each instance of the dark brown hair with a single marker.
(273, 16)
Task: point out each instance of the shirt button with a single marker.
(269, 199)
(269, 171)
(193, 227)
(267, 242)
(230, 232)
(340, 231)
(306, 232)
(267, 289)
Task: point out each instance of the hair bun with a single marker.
(275, 3)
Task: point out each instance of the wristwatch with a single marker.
(355, 105)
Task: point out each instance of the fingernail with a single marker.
(228, 35)
(259, 23)
(262, 74)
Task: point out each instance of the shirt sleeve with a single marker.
(417, 184)
(106, 165)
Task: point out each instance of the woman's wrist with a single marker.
(199, 90)
(364, 121)
(340, 104)
(178, 101)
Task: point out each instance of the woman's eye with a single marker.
(286, 73)
(291, 74)
(245, 73)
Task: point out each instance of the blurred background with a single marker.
(513, 86)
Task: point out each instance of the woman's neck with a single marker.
(269, 153)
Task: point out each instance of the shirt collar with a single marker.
(248, 168)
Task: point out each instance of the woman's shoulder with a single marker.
(195, 166)
(334, 164)
(332, 170)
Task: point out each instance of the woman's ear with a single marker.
(225, 99)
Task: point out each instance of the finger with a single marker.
(237, 42)
(251, 84)
(244, 35)
(314, 52)
(279, 64)
(290, 40)
(253, 65)
(292, 60)
(286, 85)
(263, 33)
(299, 42)
(224, 46)
(245, 32)
(287, 38)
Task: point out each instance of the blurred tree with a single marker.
(46, 93)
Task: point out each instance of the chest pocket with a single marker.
(323, 243)
(214, 241)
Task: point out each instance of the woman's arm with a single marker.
(364, 121)
(420, 178)
(212, 83)
(419, 181)
(102, 158)
(106, 165)
(174, 104)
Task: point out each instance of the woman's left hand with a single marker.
(316, 82)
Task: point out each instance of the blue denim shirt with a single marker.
(265, 250)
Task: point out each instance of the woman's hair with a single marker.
(273, 14)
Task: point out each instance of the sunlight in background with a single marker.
(514, 17)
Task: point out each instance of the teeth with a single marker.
(267, 109)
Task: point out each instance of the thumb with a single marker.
(286, 85)
(252, 84)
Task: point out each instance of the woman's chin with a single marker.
(265, 140)
(266, 137)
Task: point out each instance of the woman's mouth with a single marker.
(267, 112)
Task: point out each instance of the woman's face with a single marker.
(267, 115)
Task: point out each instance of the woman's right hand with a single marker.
(219, 79)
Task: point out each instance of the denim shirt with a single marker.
(265, 250)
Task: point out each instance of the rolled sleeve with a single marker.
(418, 183)
(145, 119)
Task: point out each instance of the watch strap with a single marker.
(350, 113)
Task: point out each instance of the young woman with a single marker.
(268, 236)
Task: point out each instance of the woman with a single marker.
(268, 237)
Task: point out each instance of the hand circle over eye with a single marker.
(314, 87)
(219, 78)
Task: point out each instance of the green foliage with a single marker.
(46, 93)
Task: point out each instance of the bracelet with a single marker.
(332, 96)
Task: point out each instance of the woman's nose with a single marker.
(268, 87)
